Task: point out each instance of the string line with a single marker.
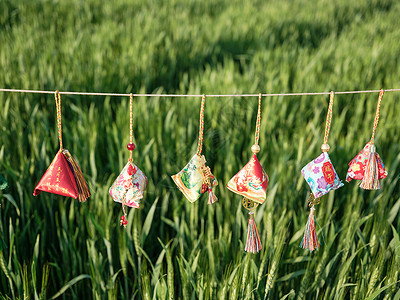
(195, 95)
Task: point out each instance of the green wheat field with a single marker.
(55, 247)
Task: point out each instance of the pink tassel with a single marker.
(211, 196)
(253, 243)
(310, 239)
(370, 180)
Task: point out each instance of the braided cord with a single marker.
(329, 117)
(258, 122)
(58, 109)
(201, 127)
(130, 125)
(376, 121)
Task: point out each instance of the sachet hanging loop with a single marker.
(367, 166)
(256, 148)
(58, 109)
(131, 145)
(63, 176)
(376, 120)
(128, 188)
(201, 127)
(325, 147)
(196, 178)
(251, 182)
(322, 178)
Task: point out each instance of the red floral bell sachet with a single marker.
(251, 182)
(64, 176)
(367, 166)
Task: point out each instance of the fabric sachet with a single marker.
(195, 178)
(251, 181)
(129, 186)
(358, 165)
(321, 175)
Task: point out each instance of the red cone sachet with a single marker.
(367, 166)
(64, 176)
(251, 182)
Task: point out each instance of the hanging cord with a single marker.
(130, 125)
(258, 122)
(201, 127)
(329, 117)
(58, 109)
(378, 109)
(325, 147)
(256, 148)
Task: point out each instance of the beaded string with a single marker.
(258, 122)
(58, 109)
(131, 125)
(378, 109)
(329, 117)
(201, 127)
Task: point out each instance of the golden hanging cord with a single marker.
(325, 147)
(201, 127)
(58, 109)
(247, 203)
(256, 148)
(378, 109)
(130, 147)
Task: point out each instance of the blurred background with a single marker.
(55, 247)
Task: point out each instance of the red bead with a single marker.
(131, 146)
(123, 221)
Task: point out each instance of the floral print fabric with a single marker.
(251, 181)
(129, 186)
(321, 175)
(357, 165)
(191, 180)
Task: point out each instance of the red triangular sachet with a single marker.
(64, 177)
(368, 167)
(251, 181)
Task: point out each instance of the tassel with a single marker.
(253, 243)
(310, 239)
(83, 189)
(211, 196)
(370, 180)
